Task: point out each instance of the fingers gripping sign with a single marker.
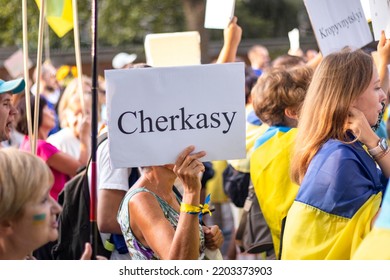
(188, 166)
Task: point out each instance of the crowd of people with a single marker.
(315, 154)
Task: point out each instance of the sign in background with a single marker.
(15, 64)
(219, 13)
(293, 37)
(366, 9)
(154, 113)
(380, 16)
(338, 24)
(172, 49)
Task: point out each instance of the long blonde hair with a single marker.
(23, 178)
(337, 82)
(70, 96)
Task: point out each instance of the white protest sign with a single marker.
(366, 9)
(172, 49)
(15, 64)
(337, 24)
(380, 17)
(219, 13)
(293, 36)
(154, 113)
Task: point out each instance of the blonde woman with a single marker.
(28, 214)
(27, 211)
(335, 160)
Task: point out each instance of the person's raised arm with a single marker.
(67, 164)
(232, 38)
(183, 242)
(186, 239)
(384, 61)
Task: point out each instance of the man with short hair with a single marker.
(7, 110)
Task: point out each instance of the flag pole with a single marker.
(78, 54)
(26, 73)
(39, 66)
(47, 42)
(93, 200)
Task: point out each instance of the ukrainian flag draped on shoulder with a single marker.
(335, 205)
(270, 175)
(59, 15)
(376, 246)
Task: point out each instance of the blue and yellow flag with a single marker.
(336, 203)
(59, 15)
(376, 245)
(270, 175)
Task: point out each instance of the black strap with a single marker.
(100, 140)
(244, 217)
(178, 193)
(281, 238)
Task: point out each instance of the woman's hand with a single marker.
(384, 49)
(232, 33)
(87, 254)
(85, 130)
(359, 126)
(213, 237)
(382, 64)
(232, 38)
(187, 168)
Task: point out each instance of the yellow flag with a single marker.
(59, 15)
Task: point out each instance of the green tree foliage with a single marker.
(12, 28)
(11, 23)
(267, 18)
(123, 22)
(127, 22)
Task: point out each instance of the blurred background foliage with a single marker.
(127, 22)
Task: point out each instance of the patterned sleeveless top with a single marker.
(136, 249)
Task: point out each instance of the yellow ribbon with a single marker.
(195, 210)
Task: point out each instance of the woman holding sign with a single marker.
(157, 224)
(335, 160)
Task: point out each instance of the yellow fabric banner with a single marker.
(313, 234)
(270, 175)
(59, 15)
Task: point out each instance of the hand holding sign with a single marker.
(154, 113)
(232, 38)
(382, 61)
